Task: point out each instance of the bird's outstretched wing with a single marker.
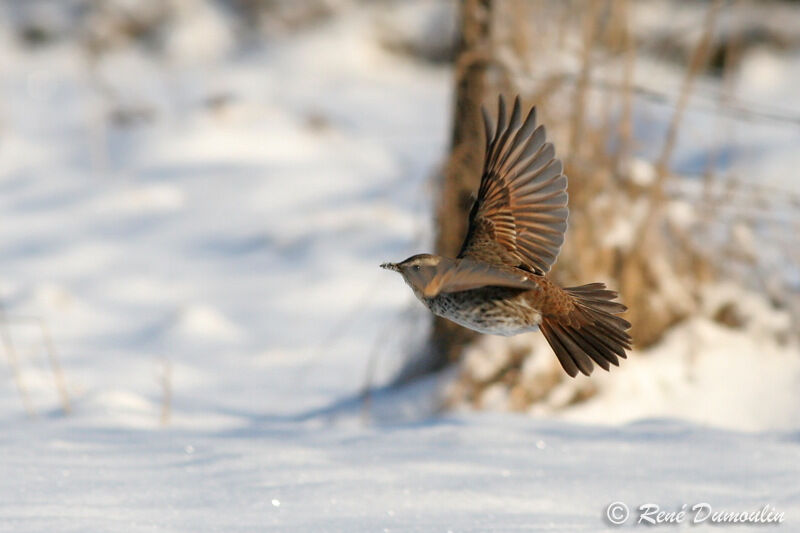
(520, 215)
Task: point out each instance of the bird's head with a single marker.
(421, 272)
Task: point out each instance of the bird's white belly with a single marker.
(505, 328)
(492, 317)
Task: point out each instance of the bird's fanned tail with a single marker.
(590, 331)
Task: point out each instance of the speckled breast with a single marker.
(491, 310)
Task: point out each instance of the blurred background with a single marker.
(195, 196)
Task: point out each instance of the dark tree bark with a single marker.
(461, 173)
(463, 169)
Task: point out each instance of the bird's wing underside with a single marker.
(466, 274)
(521, 212)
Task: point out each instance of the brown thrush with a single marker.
(498, 283)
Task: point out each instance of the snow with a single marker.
(201, 231)
(705, 373)
(484, 472)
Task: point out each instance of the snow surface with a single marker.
(478, 473)
(201, 232)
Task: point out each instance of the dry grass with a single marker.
(13, 363)
(47, 345)
(659, 268)
(623, 228)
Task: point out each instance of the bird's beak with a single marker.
(391, 266)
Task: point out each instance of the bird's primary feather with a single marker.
(520, 216)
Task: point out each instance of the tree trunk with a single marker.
(462, 172)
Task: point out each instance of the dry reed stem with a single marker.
(166, 392)
(13, 363)
(582, 85)
(369, 374)
(625, 132)
(660, 269)
(59, 379)
(520, 38)
(55, 366)
(733, 53)
(697, 62)
(638, 286)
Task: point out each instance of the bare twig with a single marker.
(733, 108)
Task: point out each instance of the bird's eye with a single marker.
(416, 267)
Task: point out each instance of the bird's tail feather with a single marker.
(591, 331)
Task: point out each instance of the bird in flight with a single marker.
(498, 284)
